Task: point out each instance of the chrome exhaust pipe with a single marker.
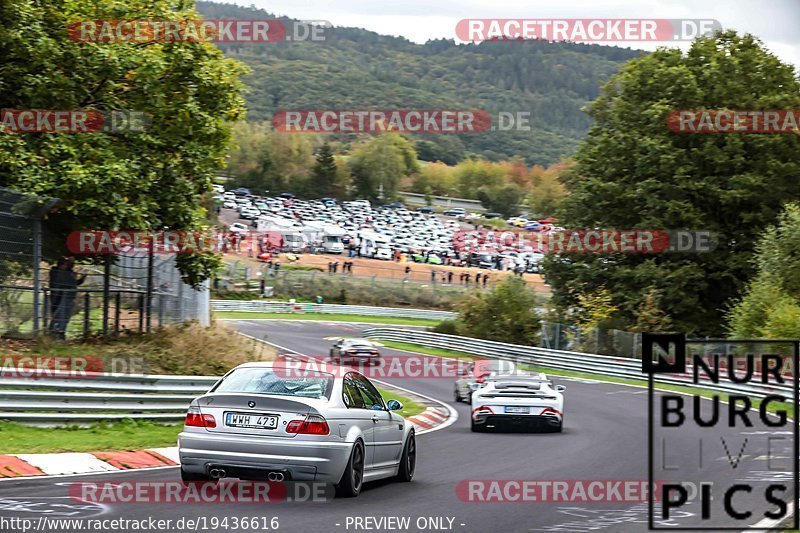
(217, 473)
(275, 476)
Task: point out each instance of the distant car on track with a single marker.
(518, 401)
(263, 422)
(355, 350)
(476, 373)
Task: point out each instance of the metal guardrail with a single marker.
(65, 399)
(266, 306)
(601, 365)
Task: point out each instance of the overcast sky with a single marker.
(774, 21)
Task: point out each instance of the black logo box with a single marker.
(675, 343)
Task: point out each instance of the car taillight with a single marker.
(312, 425)
(351, 351)
(194, 418)
(374, 352)
(551, 411)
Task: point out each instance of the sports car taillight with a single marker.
(551, 411)
(194, 418)
(312, 425)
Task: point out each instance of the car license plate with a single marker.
(251, 420)
(517, 409)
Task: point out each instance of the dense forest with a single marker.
(358, 69)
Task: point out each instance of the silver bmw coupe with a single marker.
(273, 421)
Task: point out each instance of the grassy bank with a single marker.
(334, 317)
(188, 349)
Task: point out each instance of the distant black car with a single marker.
(455, 211)
(394, 205)
(425, 209)
(241, 191)
(492, 215)
(286, 195)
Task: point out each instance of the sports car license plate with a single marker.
(250, 420)
(517, 409)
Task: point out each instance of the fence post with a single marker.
(86, 308)
(106, 292)
(37, 260)
(149, 293)
(141, 313)
(117, 306)
(46, 309)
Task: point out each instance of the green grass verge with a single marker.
(441, 352)
(123, 435)
(772, 408)
(118, 436)
(410, 407)
(239, 315)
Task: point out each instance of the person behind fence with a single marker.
(63, 291)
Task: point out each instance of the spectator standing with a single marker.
(478, 278)
(433, 276)
(466, 278)
(406, 272)
(63, 291)
(485, 279)
(450, 277)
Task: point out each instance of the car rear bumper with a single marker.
(511, 420)
(250, 457)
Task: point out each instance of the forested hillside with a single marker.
(357, 69)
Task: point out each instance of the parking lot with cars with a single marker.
(385, 232)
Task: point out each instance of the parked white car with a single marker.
(518, 401)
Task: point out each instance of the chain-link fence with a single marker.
(558, 336)
(344, 288)
(40, 293)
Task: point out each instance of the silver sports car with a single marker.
(273, 421)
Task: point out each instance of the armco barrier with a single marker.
(601, 365)
(63, 399)
(266, 306)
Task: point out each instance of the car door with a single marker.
(359, 415)
(388, 426)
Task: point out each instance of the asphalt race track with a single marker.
(604, 438)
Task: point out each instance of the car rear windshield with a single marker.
(278, 381)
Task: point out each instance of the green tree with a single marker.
(770, 306)
(633, 172)
(127, 179)
(506, 313)
(380, 163)
(323, 180)
(503, 199)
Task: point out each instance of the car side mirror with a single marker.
(560, 388)
(394, 405)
